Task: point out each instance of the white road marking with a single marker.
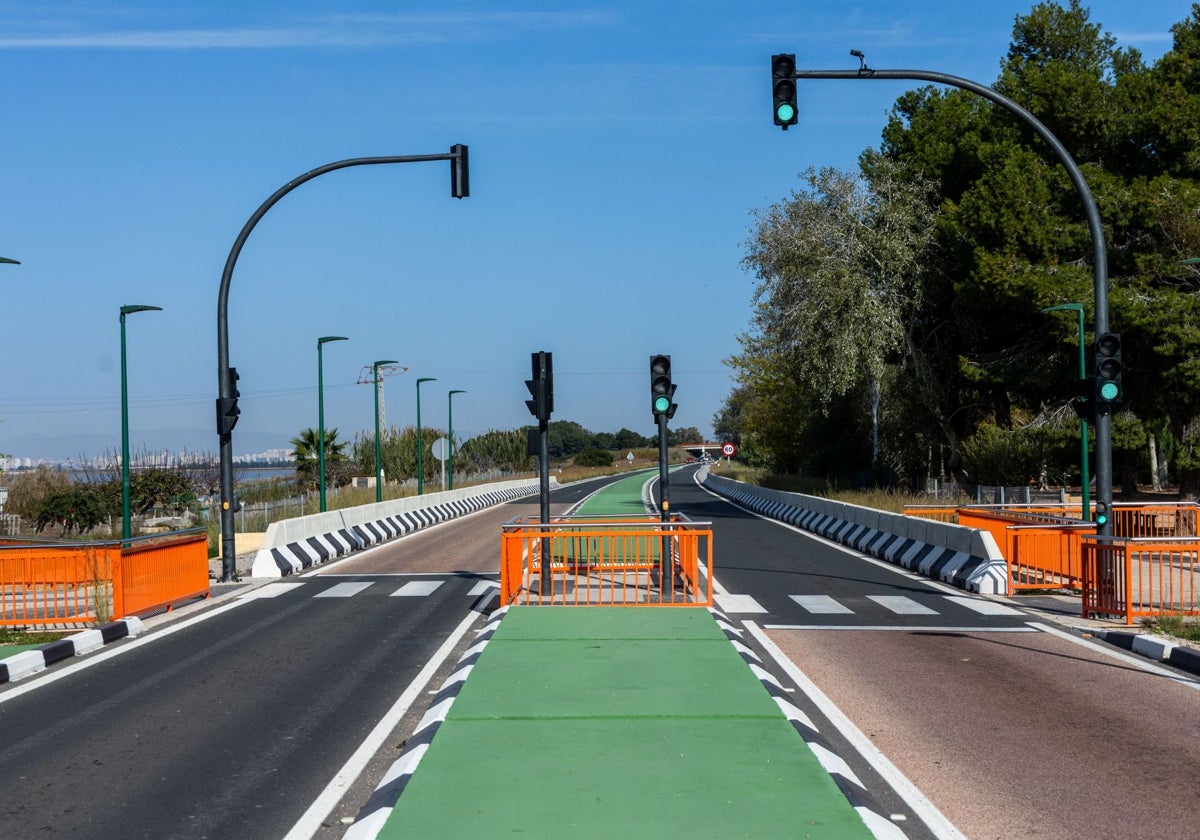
(483, 586)
(417, 589)
(344, 590)
(737, 603)
(821, 605)
(940, 827)
(271, 590)
(311, 821)
(901, 605)
(983, 606)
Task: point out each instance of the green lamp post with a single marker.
(450, 432)
(126, 517)
(321, 342)
(420, 445)
(378, 453)
(1085, 475)
(8, 261)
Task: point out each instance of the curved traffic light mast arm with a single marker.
(1099, 251)
(459, 188)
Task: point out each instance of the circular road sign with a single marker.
(728, 450)
(440, 449)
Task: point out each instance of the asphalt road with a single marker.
(230, 722)
(1010, 725)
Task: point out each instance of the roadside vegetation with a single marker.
(899, 331)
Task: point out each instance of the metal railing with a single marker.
(50, 583)
(1143, 577)
(606, 561)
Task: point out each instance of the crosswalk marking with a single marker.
(901, 605)
(482, 587)
(344, 590)
(982, 606)
(271, 590)
(738, 603)
(417, 588)
(821, 605)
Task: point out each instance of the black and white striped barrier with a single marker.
(965, 557)
(29, 662)
(293, 545)
(379, 806)
(871, 812)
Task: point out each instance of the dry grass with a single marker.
(885, 499)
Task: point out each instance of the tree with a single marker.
(594, 458)
(30, 489)
(840, 265)
(307, 454)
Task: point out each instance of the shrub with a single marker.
(593, 458)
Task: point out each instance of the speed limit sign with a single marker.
(728, 450)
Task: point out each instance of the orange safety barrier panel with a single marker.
(1040, 555)
(1145, 577)
(84, 583)
(594, 561)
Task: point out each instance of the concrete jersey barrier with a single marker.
(292, 545)
(965, 557)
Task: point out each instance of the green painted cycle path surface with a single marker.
(605, 722)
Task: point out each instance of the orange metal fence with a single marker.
(84, 583)
(609, 561)
(1043, 544)
(1132, 578)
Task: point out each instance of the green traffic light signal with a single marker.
(662, 405)
(785, 114)
(1109, 391)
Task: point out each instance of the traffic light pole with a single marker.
(459, 188)
(1099, 253)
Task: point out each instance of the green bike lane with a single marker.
(601, 722)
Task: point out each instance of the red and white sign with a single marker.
(728, 450)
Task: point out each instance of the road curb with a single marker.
(1157, 648)
(29, 662)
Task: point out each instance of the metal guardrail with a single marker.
(80, 583)
(606, 561)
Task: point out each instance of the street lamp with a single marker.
(126, 525)
(1085, 477)
(450, 432)
(378, 455)
(8, 261)
(321, 412)
(420, 467)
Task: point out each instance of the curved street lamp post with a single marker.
(378, 452)
(1104, 525)
(321, 342)
(450, 432)
(459, 188)
(420, 465)
(126, 516)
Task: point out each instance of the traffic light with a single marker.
(1084, 404)
(227, 407)
(662, 392)
(541, 386)
(783, 88)
(1100, 514)
(460, 177)
(1110, 390)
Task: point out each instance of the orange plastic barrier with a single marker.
(606, 561)
(84, 583)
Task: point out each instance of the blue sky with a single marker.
(617, 152)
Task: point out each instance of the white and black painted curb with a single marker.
(375, 812)
(965, 557)
(848, 783)
(29, 662)
(293, 545)
(1152, 647)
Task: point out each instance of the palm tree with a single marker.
(307, 455)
